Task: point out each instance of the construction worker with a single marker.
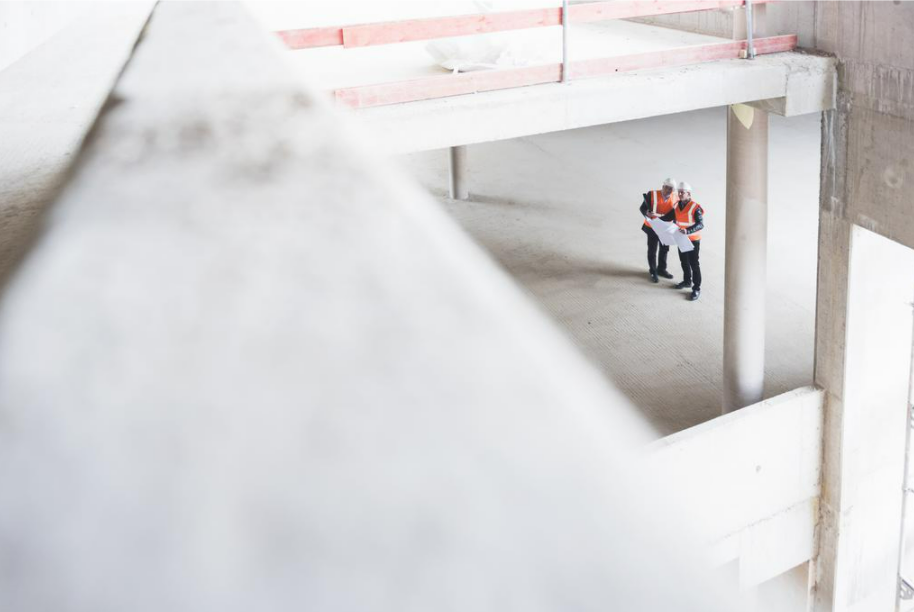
(656, 204)
(689, 216)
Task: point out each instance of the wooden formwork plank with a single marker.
(444, 27)
(312, 37)
(363, 35)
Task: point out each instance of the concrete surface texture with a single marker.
(559, 212)
(248, 366)
(868, 156)
(802, 83)
(758, 507)
(45, 111)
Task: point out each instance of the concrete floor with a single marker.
(559, 212)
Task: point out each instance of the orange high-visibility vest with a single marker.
(685, 218)
(659, 206)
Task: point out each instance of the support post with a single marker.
(746, 257)
(457, 165)
(564, 41)
(750, 48)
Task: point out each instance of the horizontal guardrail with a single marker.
(363, 35)
(491, 80)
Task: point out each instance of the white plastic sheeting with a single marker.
(485, 51)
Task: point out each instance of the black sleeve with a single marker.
(644, 204)
(699, 222)
(670, 216)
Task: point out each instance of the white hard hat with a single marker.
(669, 182)
(683, 186)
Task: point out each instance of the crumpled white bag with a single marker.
(483, 51)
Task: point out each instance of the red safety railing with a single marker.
(447, 85)
(473, 82)
(385, 33)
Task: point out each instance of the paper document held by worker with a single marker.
(669, 234)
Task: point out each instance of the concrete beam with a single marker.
(870, 331)
(807, 92)
(499, 115)
(248, 365)
(756, 473)
(48, 101)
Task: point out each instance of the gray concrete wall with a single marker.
(779, 18)
(869, 170)
(867, 175)
(793, 17)
(712, 23)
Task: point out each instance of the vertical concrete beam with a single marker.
(863, 359)
(457, 166)
(746, 257)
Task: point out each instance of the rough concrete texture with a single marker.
(868, 179)
(867, 169)
(559, 211)
(46, 110)
(248, 367)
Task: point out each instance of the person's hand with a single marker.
(682, 231)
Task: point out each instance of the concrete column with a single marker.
(863, 360)
(746, 257)
(457, 165)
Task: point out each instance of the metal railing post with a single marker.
(750, 48)
(564, 41)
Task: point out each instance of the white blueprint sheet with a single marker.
(669, 234)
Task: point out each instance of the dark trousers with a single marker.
(691, 271)
(652, 243)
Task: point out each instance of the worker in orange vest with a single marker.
(655, 204)
(689, 216)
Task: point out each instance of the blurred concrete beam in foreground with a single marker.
(247, 366)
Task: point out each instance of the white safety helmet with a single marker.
(683, 186)
(669, 182)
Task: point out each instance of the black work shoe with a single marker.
(664, 274)
(654, 278)
(695, 294)
(683, 285)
